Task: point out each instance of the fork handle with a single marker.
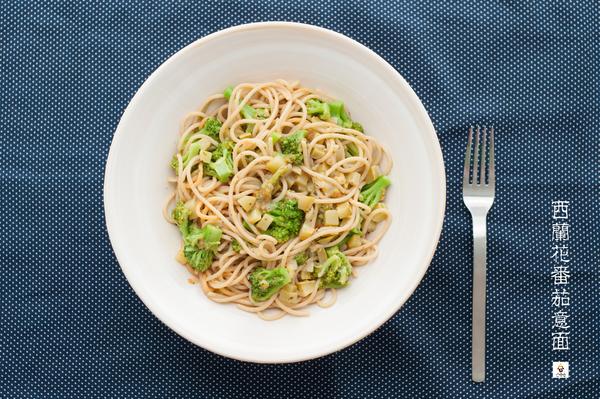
(479, 298)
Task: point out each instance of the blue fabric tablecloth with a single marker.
(71, 327)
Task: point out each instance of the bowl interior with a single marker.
(136, 188)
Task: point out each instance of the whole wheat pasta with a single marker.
(232, 170)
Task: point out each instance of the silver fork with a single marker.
(479, 181)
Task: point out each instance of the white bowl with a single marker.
(137, 169)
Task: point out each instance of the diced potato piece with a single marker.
(275, 163)
(309, 266)
(180, 257)
(305, 202)
(373, 174)
(330, 161)
(379, 217)
(354, 178)
(292, 265)
(321, 255)
(305, 288)
(306, 275)
(306, 231)
(254, 216)
(340, 153)
(289, 294)
(321, 168)
(247, 202)
(331, 218)
(301, 180)
(344, 210)
(326, 240)
(340, 178)
(354, 241)
(318, 151)
(265, 222)
(205, 156)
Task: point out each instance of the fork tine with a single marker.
(483, 156)
(468, 158)
(476, 156)
(492, 174)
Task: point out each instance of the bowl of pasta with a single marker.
(274, 192)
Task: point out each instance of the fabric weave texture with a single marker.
(71, 327)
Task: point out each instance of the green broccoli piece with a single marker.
(338, 114)
(192, 150)
(221, 165)
(275, 137)
(352, 149)
(301, 258)
(357, 126)
(235, 246)
(211, 128)
(266, 282)
(211, 237)
(319, 108)
(287, 220)
(292, 148)
(174, 163)
(199, 259)
(199, 244)
(335, 271)
(333, 111)
(262, 113)
(371, 193)
(247, 111)
(227, 92)
(181, 215)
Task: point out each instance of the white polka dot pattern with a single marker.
(72, 328)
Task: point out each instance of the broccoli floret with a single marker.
(181, 215)
(287, 220)
(227, 92)
(221, 165)
(301, 258)
(266, 189)
(335, 271)
(262, 113)
(192, 150)
(338, 114)
(199, 259)
(352, 149)
(333, 111)
(292, 148)
(211, 128)
(174, 163)
(319, 108)
(357, 126)
(275, 137)
(371, 193)
(266, 282)
(235, 246)
(199, 244)
(247, 111)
